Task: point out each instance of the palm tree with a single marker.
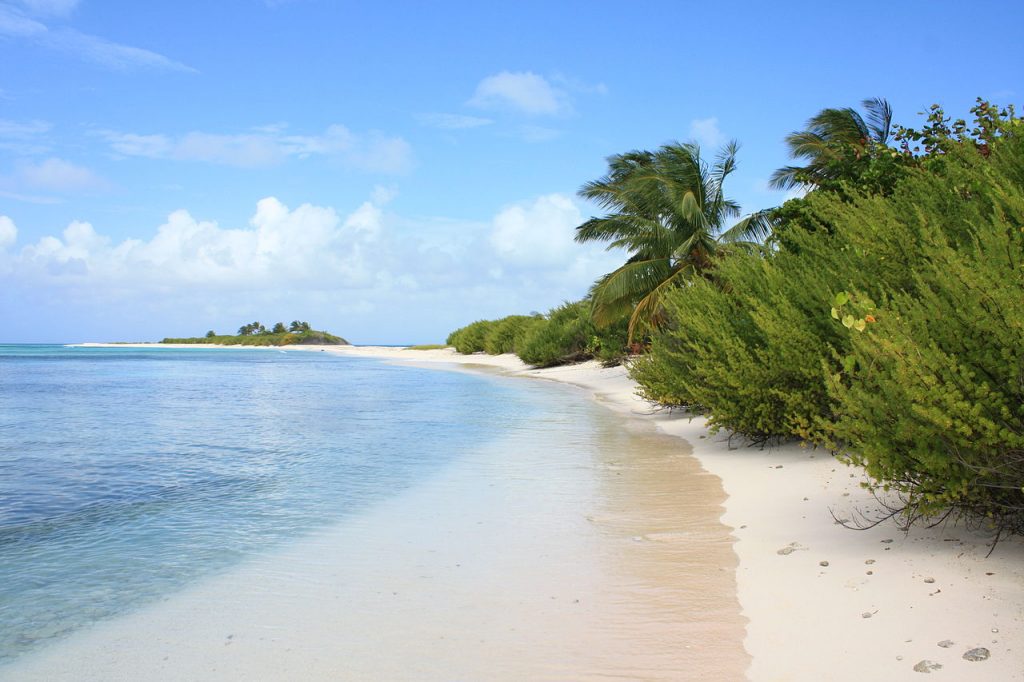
(668, 210)
(833, 139)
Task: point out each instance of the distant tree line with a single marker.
(254, 328)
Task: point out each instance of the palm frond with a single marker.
(757, 226)
(624, 286)
(879, 118)
(649, 309)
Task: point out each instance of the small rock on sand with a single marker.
(946, 643)
(869, 562)
(929, 580)
(866, 614)
(823, 563)
(790, 548)
(927, 666)
(979, 654)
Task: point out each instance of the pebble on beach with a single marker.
(978, 654)
(927, 666)
(946, 643)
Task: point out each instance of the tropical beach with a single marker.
(546, 341)
(680, 561)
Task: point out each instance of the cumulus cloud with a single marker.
(367, 273)
(268, 146)
(310, 246)
(705, 131)
(16, 23)
(452, 121)
(8, 232)
(537, 233)
(523, 91)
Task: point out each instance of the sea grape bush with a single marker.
(888, 327)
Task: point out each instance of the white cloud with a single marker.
(61, 176)
(522, 91)
(267, 146)
(705, 131)
(369, 274)
(8, 232)
(452, 121)
(538, 233)
(307, 246)
(15, 23)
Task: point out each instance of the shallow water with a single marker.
(536, 536)
(125, 474)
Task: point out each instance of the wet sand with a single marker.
(587, 547)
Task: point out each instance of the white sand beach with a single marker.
(824, 602)
(819, 601)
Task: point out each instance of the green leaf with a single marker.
(859, 325)
(835, 313)
(842, 298)
(848, 321)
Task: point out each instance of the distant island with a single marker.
(255, 334)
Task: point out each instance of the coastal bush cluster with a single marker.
(566, 334)
(885, 325)
(880, 315)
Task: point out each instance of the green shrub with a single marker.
(470, 339)
(507, 334)
(568, 334)
(932, 402)
(747, 347)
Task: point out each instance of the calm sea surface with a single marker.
(125, 474)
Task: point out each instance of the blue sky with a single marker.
(390, 171)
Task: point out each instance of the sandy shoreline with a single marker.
(823, 602)
(883, 602)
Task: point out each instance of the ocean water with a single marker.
(128, 474)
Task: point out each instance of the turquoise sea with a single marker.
(127, 474)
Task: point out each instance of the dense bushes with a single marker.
(470, 339)
(920, 374)
(932, 402)
(506, 335)
(566, 334)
